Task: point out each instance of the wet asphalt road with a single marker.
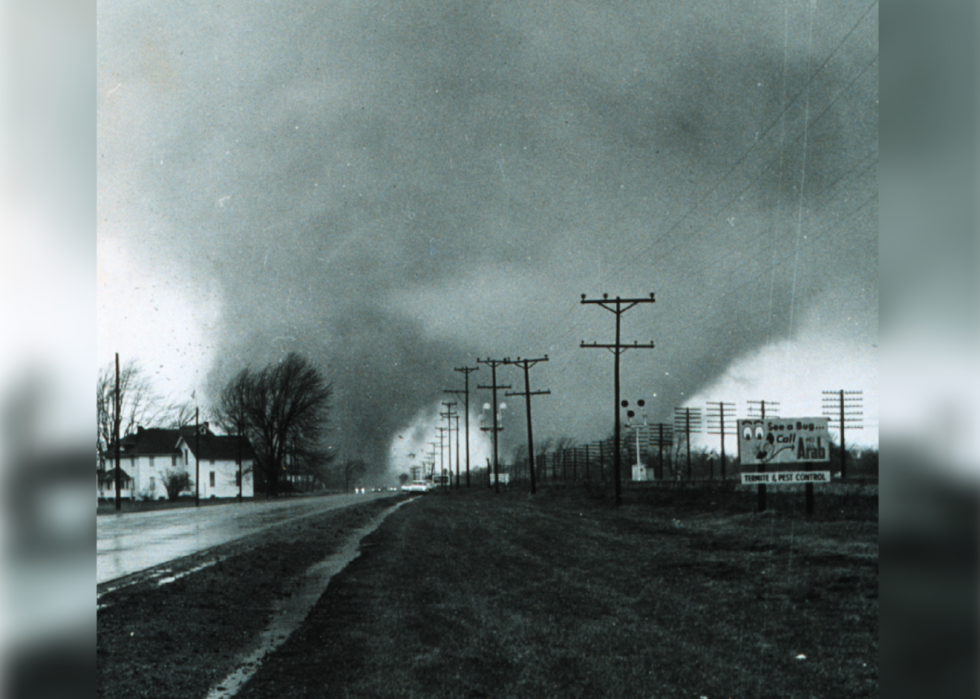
(131, 542)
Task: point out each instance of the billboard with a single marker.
(783, 440)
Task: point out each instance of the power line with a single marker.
(772, 163)
(617, 306)
(845, 409)
(688, 421)
(466, 371)
(493, 364)
(769, 128)
(526, 364)
(812, 237)
(717, 425)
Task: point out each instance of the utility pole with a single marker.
(716, 425)
(240, 476)
(465, 397)
(847, 406)
(449, 415)
(526, 364)
(760, 412)
(117, 419)
(456, 428)
(664, 438)
(197, 459)
(443, 432)
(759, 408)
(432, 469)
(687, 420)
(493, 364)
(618, 306)
(466, 371)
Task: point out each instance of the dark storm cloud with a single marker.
(371, 179)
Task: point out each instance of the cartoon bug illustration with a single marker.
(761, 443)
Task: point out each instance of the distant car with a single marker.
(418, 486)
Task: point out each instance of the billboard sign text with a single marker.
(783, 440)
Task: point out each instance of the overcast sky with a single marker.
(395, 188)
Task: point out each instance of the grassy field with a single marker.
(681, 592)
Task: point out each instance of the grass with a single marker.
(475, 595)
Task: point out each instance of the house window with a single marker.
(173, 461)
(185, 457)
(153, 483)
(238, 480)
(151, 462)
(132, 463)
(211, 479)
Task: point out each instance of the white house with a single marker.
(216, 457)
(147, 456)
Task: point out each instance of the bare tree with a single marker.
(541, 459)
(231, 414)
(283, 410)
(139, 405)
(351, 469)
(519, 457)
(178, 415)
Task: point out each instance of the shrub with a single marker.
(175, 482)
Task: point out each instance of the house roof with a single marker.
(155, 441)
(150, 441)
(218, 447)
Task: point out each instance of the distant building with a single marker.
(148, 455)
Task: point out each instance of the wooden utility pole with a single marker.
(465, 398)
(688, 421)
(761, 414)
(432, 469)
(442, 443)
(847, 405)
(117, 419)
(241, 478)
(197, 460)
(526, 364)
(716, 425)
(618, 306)
(466, 371)
(449, 415)
(665, 437)
(493, 364)
(456, 428)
